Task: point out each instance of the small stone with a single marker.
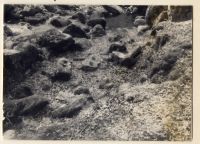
(81, 90)
(117, 46)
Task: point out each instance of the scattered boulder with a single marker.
(75, 31)
(95, 21)
(80, 16)
(128, 59)
(90, 64)
(114, 10)
(117, 46)
(72, 109)
(98, 31)
(139, 22)
(30, 10)
(62, 71)
(56, 42)
(81, 90)
(60, 22)
(24, 106)
(36, 19)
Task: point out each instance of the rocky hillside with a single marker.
(97, 72)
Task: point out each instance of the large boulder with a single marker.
(55, 41)
(60, 22)
(75, 31)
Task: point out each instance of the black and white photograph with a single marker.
(98, 72)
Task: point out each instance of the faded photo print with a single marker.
(97, 72)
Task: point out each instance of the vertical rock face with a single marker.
(181, 13)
